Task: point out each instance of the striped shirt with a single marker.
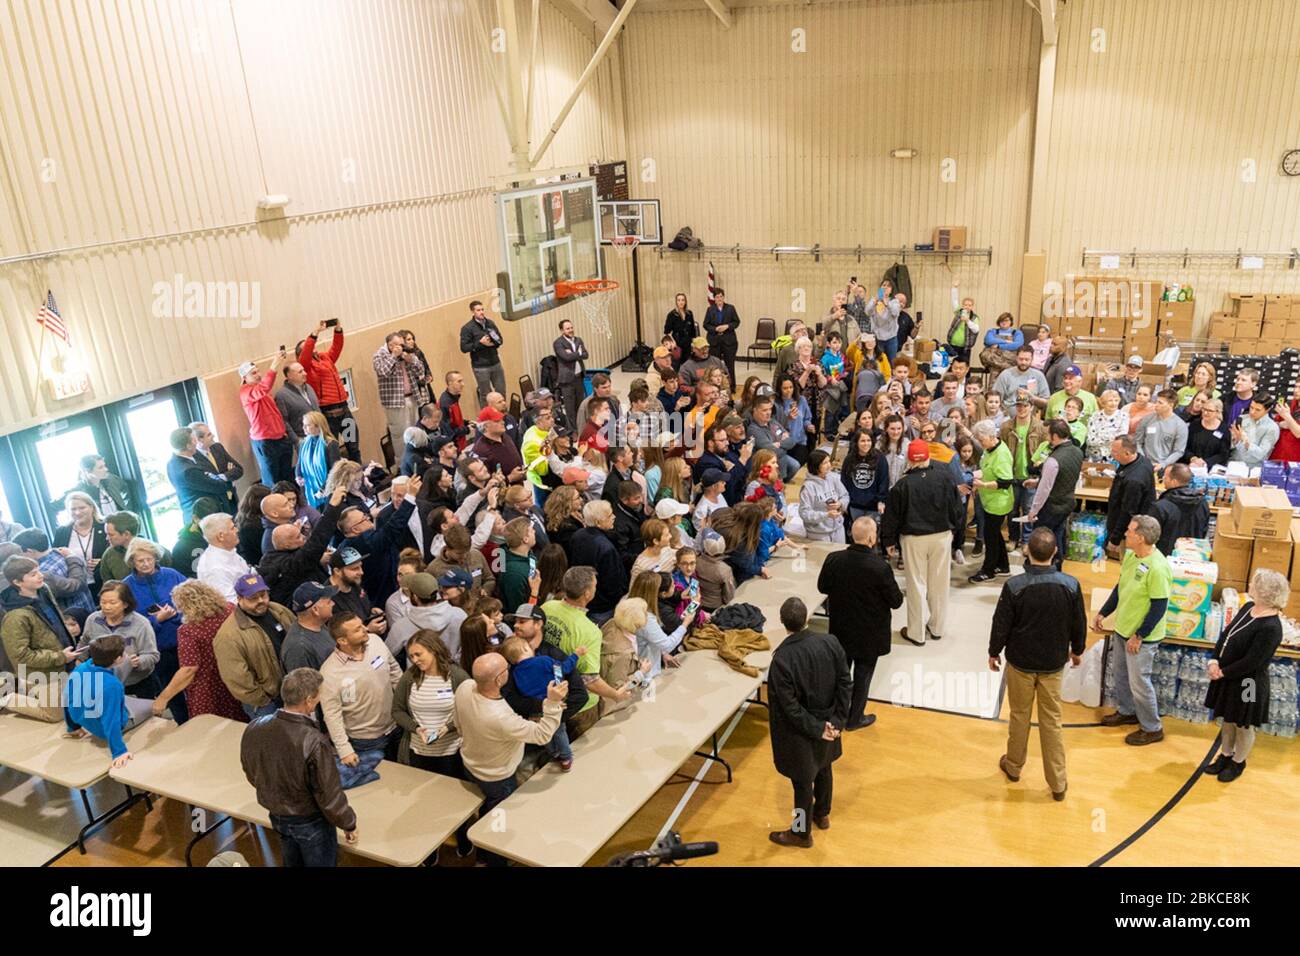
(432, 704)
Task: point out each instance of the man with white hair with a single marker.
(193, 477)
(416, 455)
(220, 565)
(595, 545)
(493, 735)
(1138, 602)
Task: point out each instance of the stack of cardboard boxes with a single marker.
(1256, 323)
(1115, 307)
(1256, 533)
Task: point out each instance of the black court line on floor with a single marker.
(1162, 812)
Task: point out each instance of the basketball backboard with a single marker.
(548, 234)
(626, 218)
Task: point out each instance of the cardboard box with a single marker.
(1243, 347)
(1176, 312)
(1251, 309)
(1261, 513)
(1222, 585)
(1110, 327)
(1076, 325)
(1093, 477)
(1232, 551)
(1144, 345)
(1249, 328)
(1274, 328)
(1293, 328)
(924, 349)
(1222, 326)
(1269, 346)
(949, 238)
(1295, 565)
(1272, 553)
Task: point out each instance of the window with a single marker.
(150, 427)
(60, 457)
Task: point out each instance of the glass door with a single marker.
(59, 448)
(149, 421)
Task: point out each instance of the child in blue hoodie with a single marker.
(532, 675)
(96, 699)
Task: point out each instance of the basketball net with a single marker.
(595, 296)
(625, 246)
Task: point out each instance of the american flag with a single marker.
(712, 283)
(48, 317)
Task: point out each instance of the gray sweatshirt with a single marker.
(137, 633)
(1162, 440)
(814, 497)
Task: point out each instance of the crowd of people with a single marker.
(513, 581)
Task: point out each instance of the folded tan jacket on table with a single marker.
(732, 646)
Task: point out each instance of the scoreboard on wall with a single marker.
(611, 181)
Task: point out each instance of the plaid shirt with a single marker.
(394, 388)
(55, 565)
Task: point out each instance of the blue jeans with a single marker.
(1023, 499)
(558, 746)
(494, 791)
(307, 841)
(274, 459)
(889, 347)
(266, 710)
(788, 465)
(389, 743)
(1134, 691)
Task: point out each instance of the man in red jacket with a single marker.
(323, 376)
(271, 444)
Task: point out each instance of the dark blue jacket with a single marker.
(379, 548)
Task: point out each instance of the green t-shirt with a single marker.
(1056, 404)
(1079, 432)
(568, 627)
(996, 464)
(1188, 392)
(1022, 453)
(1141, 581)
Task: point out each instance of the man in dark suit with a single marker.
(809, 688)
(208, 448)
(192, 475)
(861, 594)
(571, 353)
(720, 324)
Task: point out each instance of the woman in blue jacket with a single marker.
(152, 586)
(1001, 343)
(793, 414)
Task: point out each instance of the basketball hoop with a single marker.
(594, 296)
(625, 246)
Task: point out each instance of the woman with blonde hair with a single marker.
(1202, 380)
(618, 649)
(84, 534)
(318, 453)
(203, 610)
(675, 481)
(152, 585)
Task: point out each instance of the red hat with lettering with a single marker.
(918, 450)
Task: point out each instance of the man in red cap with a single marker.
(921, 515)
(499, 454)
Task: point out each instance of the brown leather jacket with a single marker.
(290, 763)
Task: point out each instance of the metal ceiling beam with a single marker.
(720, 10)
(596, 58)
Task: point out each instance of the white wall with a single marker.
(1149, 136)
(151, 118)
(757, 145)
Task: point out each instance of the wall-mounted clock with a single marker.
(1291, 162)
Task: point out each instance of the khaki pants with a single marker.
(399, 420)
(1022, 688)
(927, 566)
(45, 704)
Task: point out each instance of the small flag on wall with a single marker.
(47, 316)
(712, 282)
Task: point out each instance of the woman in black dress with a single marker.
(1239, 671)
(680, 324)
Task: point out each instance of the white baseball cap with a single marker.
(245, 368)
(668, 508)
